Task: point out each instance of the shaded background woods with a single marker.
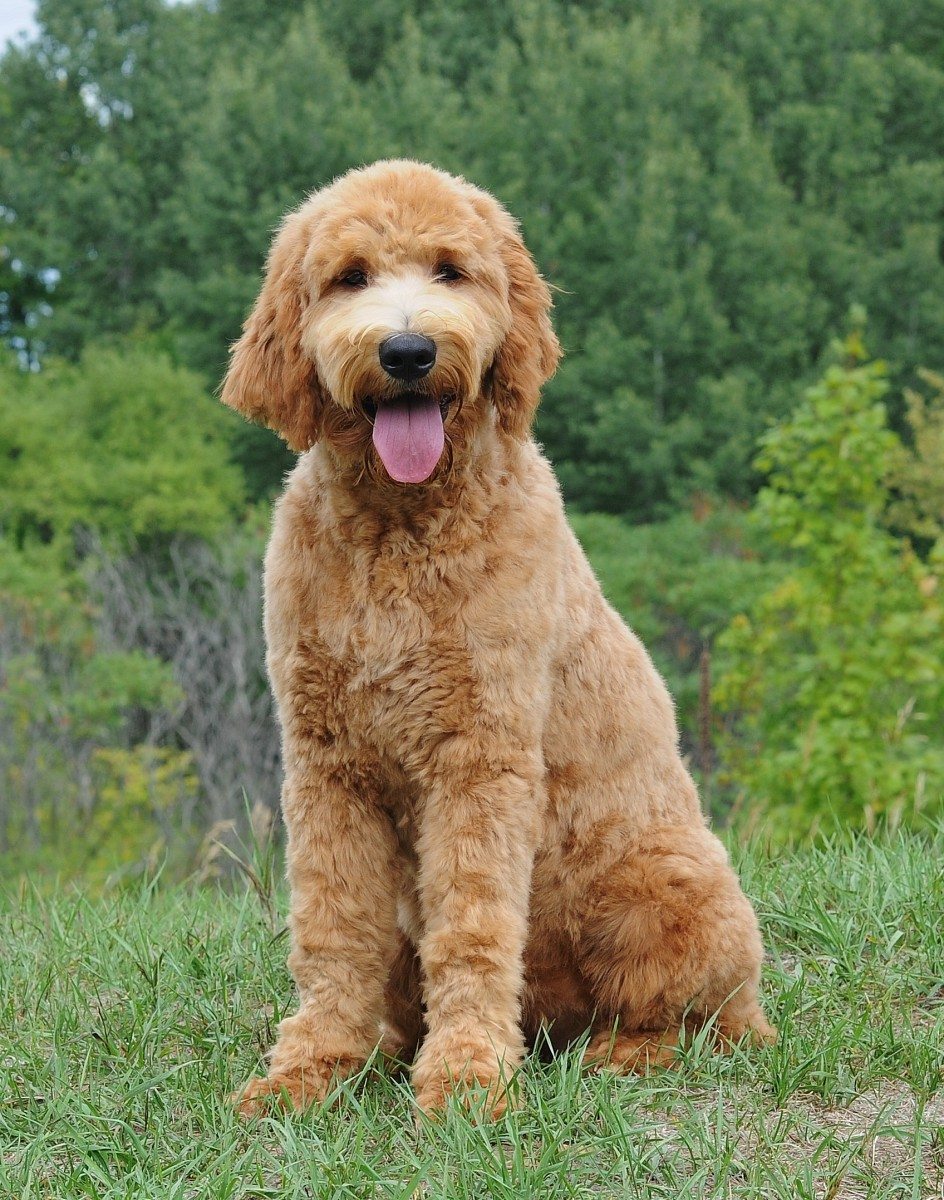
(712, 186)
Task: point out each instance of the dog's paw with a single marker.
(484, 1085)
(479, 1094)
(287, 1090)
(264, 1095)
(754, 1027)
(763, 1034)
(632, 1053)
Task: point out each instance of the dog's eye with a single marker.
(447, 272)
(355, 278)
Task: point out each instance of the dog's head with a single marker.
(399, 307)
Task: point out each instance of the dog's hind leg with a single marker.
(669, 940)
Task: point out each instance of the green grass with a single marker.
(126, 1020)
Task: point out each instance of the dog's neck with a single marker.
(365, 505)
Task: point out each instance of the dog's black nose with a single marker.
(407, 356)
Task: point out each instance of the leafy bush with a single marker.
(917, 472)
(834, 680)
(134, 710)
(123, 442)
(94, 767)
(70, 708)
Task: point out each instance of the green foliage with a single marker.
(710, 183)
(84, 789)
(836, 676)
(122, 441)
(917, 474)
(137, 790)
(127, 445)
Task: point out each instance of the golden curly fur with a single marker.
(490, 829)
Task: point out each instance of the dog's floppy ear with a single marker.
(528, 356)
(270, 378)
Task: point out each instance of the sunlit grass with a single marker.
(125, 1022)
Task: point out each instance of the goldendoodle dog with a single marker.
(490, 829)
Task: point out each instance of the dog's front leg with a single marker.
(476, 847)
(342, 870)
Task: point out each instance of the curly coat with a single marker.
(490, 828)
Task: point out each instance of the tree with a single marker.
(709, 183)
(122, 441)
(834, 680)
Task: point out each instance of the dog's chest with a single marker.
(379, 643)
(397, 653)
(378, 621)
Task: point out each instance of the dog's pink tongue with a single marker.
(409, 437)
